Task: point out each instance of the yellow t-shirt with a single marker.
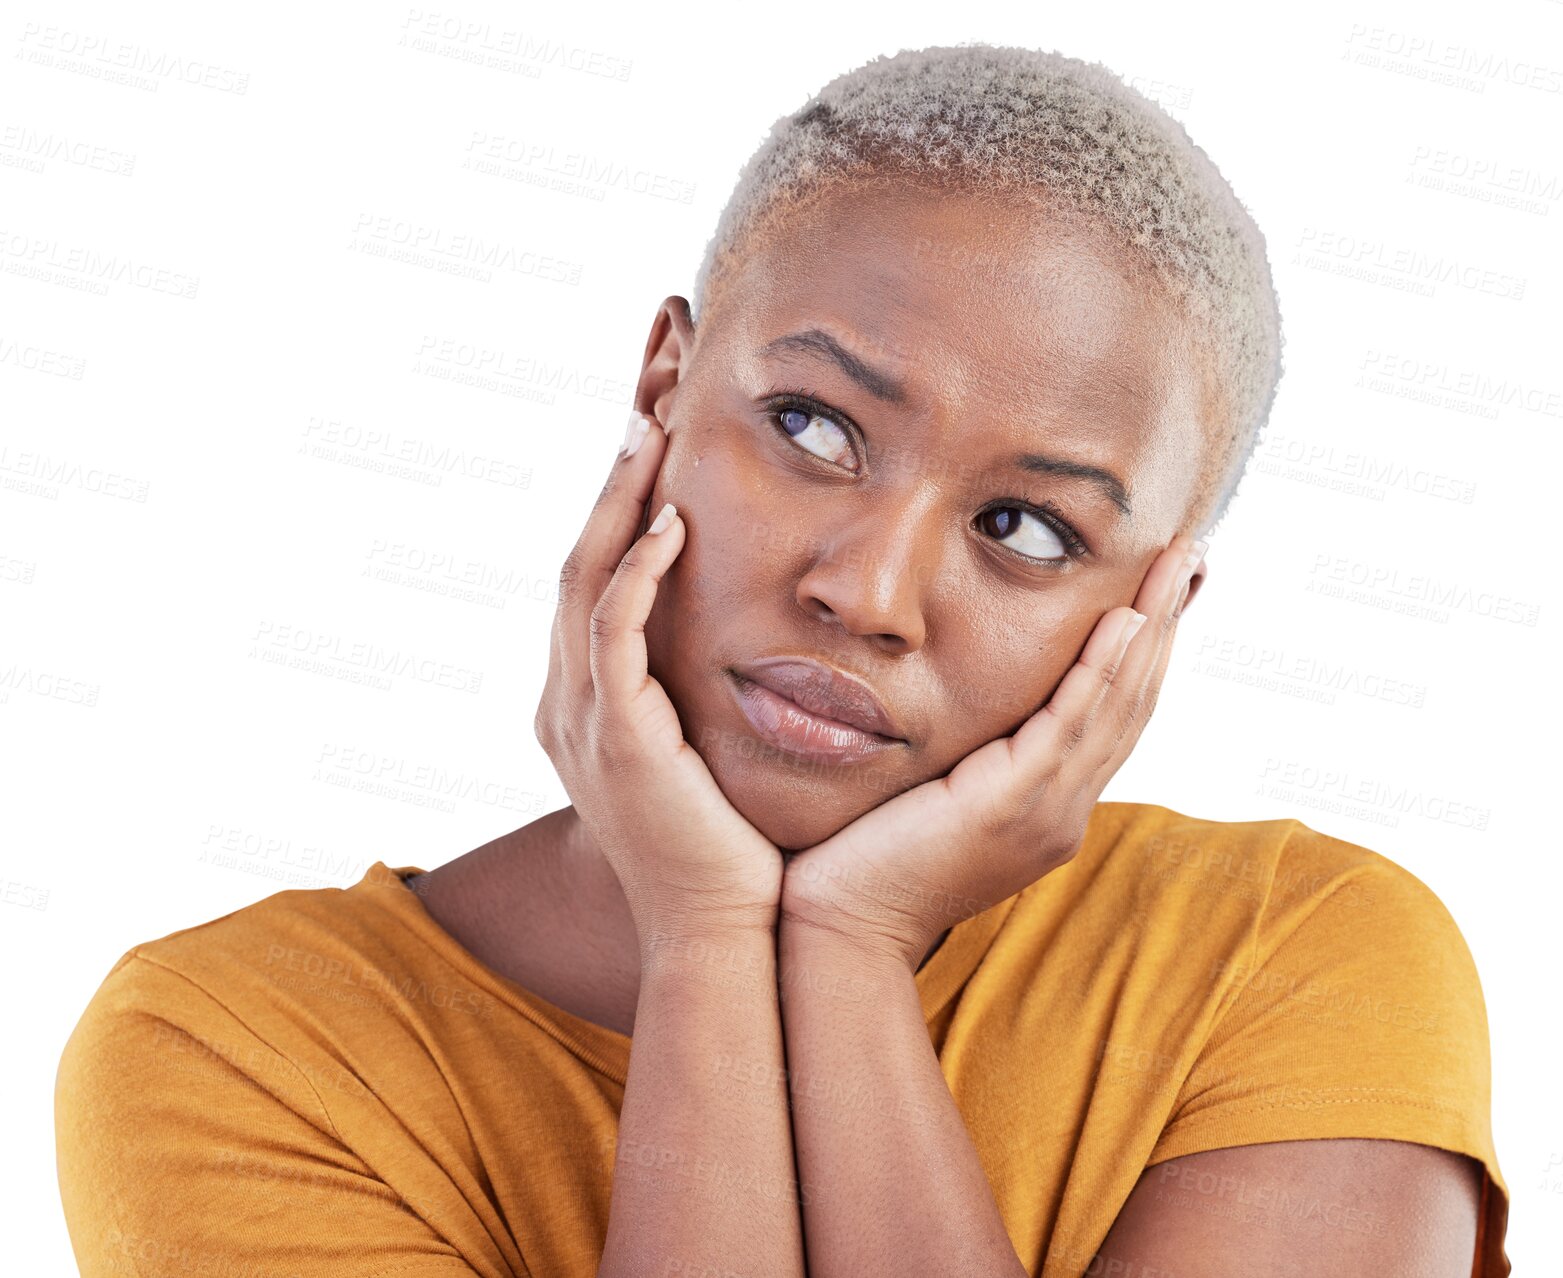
(326, 1083)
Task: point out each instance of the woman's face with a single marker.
(880, 521)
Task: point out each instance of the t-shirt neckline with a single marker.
(608, 1051)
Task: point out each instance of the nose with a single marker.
(874, 570)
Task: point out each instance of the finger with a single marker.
(618, 622)
(1161, 586)
(1144, 663)
(1135, 691)
(1160, 594)
(610, 529)
(1064, 725)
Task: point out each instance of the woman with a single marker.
(979, 352)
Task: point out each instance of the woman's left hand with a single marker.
(1011, 811)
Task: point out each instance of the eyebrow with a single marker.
(816, 343)
(1107, 483)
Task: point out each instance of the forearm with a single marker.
(893, 1182)
(704, 1177)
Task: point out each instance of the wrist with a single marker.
(664, 918)
(824, 933)
(821, 966)
(728, 954)
(854, 911)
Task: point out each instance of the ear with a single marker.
(665, 359)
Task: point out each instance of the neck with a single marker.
(576, 849)
(536, 879)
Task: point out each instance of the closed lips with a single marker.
(823, 691)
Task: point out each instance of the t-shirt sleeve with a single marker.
(1357, 1013)
(187, 1145)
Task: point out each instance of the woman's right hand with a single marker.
(688, 862)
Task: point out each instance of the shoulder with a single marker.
(1335, 911)
(231, 958)
(1272, 875)
(1338, 995)
(1338, 1000)
(1203, 901)
(216, 1101)
(198, 1011)
(198, 965)
(279, 991)
(1290, 957)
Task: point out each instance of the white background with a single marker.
(1368, 654)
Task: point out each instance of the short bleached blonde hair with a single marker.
(1068, 133)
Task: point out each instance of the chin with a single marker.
(776, 814)
(795, 802)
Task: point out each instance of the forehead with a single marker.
(1003, 324)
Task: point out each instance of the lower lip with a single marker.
(788, 726)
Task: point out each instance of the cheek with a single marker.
(1008, 669)
(718, 574)
(740, 520)
(694, 472)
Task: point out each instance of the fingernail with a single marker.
(633, 434)
(1130, 629)
(663, 519)
(1192, 560)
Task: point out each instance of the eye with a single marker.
(1033, 531)
(815, 431)
(1040, 533)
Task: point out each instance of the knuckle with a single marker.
(1076, 731)
(1134, 703)
(1145, 704)
(1012, 816)
(613, 750)
(570, 576)
(1001, 817)
(1123, 726)
(601, 625)
(1064, 841)
(566, 742)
